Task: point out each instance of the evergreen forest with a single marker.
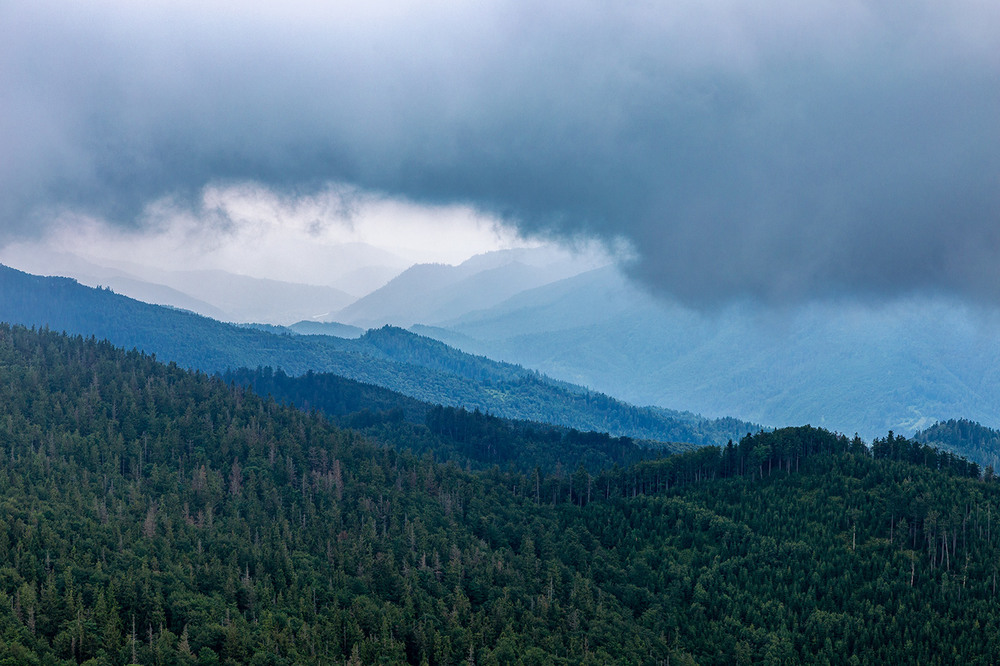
(965, 438)
(158, 515)
(468, 438)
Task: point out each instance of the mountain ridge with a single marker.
(426, 293)
(870, 367)
(390, 357)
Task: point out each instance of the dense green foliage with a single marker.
(159, 516)
(965, 438)
(389, 357)
(907, 450)
(849, 560)
(448, 433)
(335, 396)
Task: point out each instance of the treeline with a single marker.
(912, 451)
(762, 454)
(158, 516)
(965, 438)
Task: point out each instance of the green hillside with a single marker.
(159, 516)
(470, 439)
(390, 357)
(965, 438)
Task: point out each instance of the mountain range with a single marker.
(847, 366)
(230, 528)
(356, 269)
(391, 357)
(427, 293)
(851, 367)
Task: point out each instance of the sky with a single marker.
(250, 229)
(771, 150)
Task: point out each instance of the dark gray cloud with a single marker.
(766, 149)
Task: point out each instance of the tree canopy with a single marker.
(161, 516)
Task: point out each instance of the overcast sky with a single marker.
(773, 149)
(251, 229)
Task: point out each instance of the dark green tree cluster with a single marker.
(965, 438)
(469, 438)
(331, 394)
(910, 450)
(159, 516)
(524, 446)
(762, 454)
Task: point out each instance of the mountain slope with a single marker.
(250, 299)
(64, 264)
(428, 293)
(153, 515)
(965, 438)
(214, 293)
(416, 366)
(470, 439)
(872, 368)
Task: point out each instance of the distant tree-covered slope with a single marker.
(390, 357)
(966, 438)
(469, 438)
(158, 516)
(307, 327)
(335, 396)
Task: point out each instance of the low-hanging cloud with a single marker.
(775, 150)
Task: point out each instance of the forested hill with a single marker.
(390, 357)
(471, 439)
(965, 438)
(157, 516)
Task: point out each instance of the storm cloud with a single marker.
(775, 150)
